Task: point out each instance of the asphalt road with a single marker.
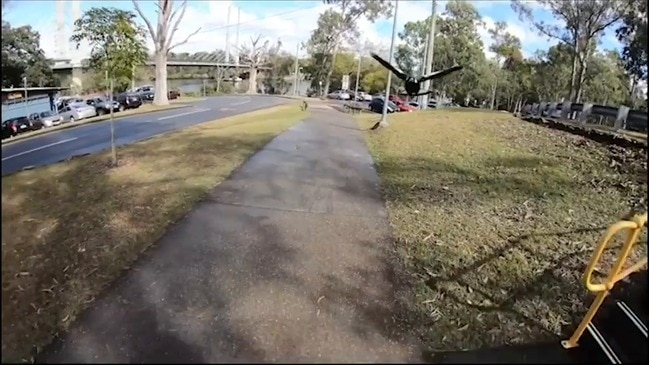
(57, 146)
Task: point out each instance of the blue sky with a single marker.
(290, 21)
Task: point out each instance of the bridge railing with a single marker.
(622, 117)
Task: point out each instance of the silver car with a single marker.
(48, 118)
(77, 111)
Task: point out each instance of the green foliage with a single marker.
(584, 22)
(337, 25)
(23, 57)
(633, 36)
(117, 42)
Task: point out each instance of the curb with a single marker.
(42, 132)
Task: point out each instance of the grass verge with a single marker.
(496, 219)
(69, 229)
(145, 108)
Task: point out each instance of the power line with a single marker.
(256, 20)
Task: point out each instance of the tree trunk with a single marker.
(160, 97)
(493, 93)
(330, 70)
(583, 64)
(573, 71)
(252, 80)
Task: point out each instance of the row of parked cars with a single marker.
(349, 95)
(69, 110)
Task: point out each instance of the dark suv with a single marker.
(102, 106)
(14, 126)
(128, 101)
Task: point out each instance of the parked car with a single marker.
(339, 95)
(362, 96)
(48, 118)
(128, 101)
(376, 105)
(67, 100)
(77, 111)
(11, 127)
(103, 106)
(146, 92)
(401, 104)
(173, 94)
(17, 125)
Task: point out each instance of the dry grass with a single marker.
(69, 229)
(496, 219)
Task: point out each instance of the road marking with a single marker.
(241, 103)
(224, 109)
(183, 114)
(39, 148)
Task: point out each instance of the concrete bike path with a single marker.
(289, 260)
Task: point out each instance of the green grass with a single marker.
(496, 219)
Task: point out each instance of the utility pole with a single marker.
(236, 39)
(384, 116)
(297, 68)
(422, 71)
(429, 54)
(227, 37)
(358, 75)
(25, 86)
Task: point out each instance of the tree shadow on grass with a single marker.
(70, 229)
(416, 179)
(478, 235)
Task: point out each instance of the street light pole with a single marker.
(384, 116)
(358, 76)
(429, 54)
(25, 86)
(297, 68)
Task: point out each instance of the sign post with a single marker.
(345, 85)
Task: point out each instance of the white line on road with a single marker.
(241, 102)
(39, 148)
(183, 114)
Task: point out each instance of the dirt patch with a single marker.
(496, 219)
(596, 133)
(69, 229)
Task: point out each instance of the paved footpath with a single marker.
(288, 261)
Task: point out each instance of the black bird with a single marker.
(413, 84)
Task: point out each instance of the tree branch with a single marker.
(183, 7)
(154, 36)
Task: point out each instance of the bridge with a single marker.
(72, 71)
(63, 65)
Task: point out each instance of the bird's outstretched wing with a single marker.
(438, 74)
(400, 74)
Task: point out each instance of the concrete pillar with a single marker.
(77, 79)
(565, 110)
(585, 112)
(622, 114)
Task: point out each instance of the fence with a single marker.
(22, 108)
(585, 113)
